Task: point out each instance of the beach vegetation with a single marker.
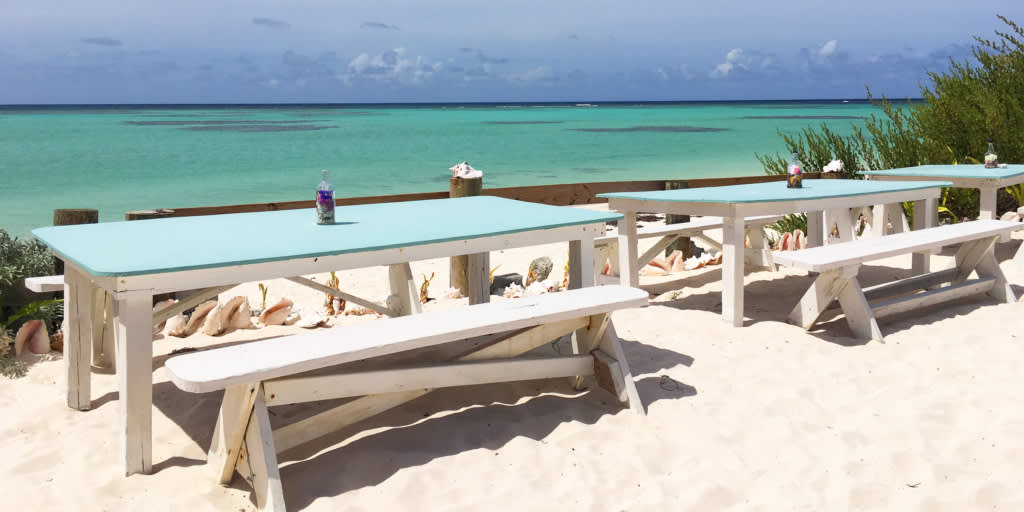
(20, 259)
(961, 109)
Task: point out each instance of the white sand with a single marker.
(765, 417)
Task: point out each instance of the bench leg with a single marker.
(989, 267)
(258, 461)
(78, 320)
(623, 386)
(586, 340)
(858, 312)
(581, 256)
(816, 235)
(838, 284)
(970, 255)
(232, 420)
(761, 247)
(608, 254)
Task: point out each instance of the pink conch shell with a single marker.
(157, 307)
(33, 334)
(237, 313)
(176, 326)
(199, 317)
(784, 242)
(1011, 216)
(801, 239)
(679, 264)
(278, 313)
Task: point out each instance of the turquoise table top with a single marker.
(776, 191)
(952, 171)
(187, 243)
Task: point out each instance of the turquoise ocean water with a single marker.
(118, 159)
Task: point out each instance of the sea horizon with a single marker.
(124, 157)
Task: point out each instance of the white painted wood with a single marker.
(732, 271)
(261, 460)
(925, 216)
(816, 235)
(625, 387)
(266, 359)
(380, 308)
(987, 202)
(694, 226)
(655, 250)
(229, 431)
(208, 277)
(581, 258)
(77, 339)
(629, 273)
(818, 298)
(103, 353)
(761, 248)
(133, 318)
(359, 409)
(290, 390)
(710, 242)
(332, 420)
(819, 259)
(45, 284)
(587, 339)
(857, 311)
(933, 297)
(402, 284)
(968, 256)
(1001, 290)
(910, 284)
(478, 277)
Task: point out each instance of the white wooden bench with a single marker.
(45, 284)
(838, 265)
(268, 373)
(760, 253)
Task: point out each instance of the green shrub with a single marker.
(961, 110)
(20, 259)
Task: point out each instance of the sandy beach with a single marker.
(765, 417)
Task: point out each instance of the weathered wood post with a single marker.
(102, 334)
(682, 243)
(68, 217)
(458, 265)
(148, 214)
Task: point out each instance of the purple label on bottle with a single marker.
(325, 197)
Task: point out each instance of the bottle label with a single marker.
(325, 207)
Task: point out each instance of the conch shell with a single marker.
(198, 317)
(157, 307)
(34, 335)
(176, 326)
(277, 314)
(234, 315)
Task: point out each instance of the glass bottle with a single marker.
(991, 161)
(795, 172)
(325, 200)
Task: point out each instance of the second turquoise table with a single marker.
(988, 181)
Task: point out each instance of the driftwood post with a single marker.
(462, 187)
(682, 243)
(70, 216)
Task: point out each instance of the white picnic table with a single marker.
(132, 261)
(821, 199)
(987, 181)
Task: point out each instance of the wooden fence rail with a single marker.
(559, 195)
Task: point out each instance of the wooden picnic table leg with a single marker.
(629, 267)
(840, 219)
(581, 260)
(987, 201)
(816, 229)
(403, 296)
(732, 270)
(925, 216)
(133, 318)
(478, 277)
(78, 332)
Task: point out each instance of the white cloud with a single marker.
(532, 75)
(827, 49)
(734, 60)
(391, 65)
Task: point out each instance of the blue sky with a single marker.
(260, 51)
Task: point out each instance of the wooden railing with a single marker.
(559, 195)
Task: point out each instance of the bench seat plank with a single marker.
(44, 284)
(826, 257)
(262, 360)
